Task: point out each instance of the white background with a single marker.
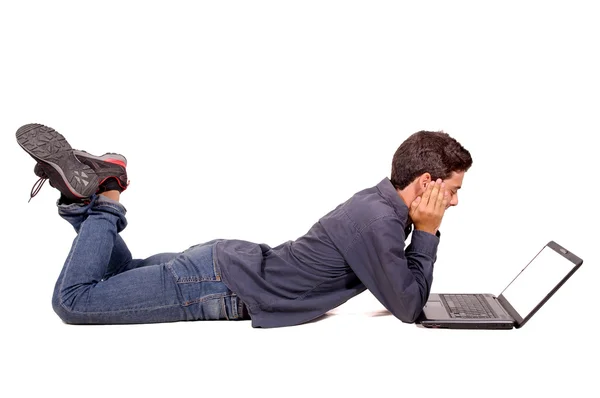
(253, 119)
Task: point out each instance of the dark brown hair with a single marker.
(433, 152)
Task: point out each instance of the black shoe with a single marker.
(111, 169)
(74, 179)
(109, 165)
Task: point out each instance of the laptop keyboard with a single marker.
(467, 306)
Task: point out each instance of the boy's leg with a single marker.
(69, 169)
(188, 287)
(76, 214)
(120, 259)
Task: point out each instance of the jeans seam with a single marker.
(66, 267)
(189, 279)
(234, 305)
(224, 308)
(205, 298)
(72, 311)
(116, 208)
(216, 267)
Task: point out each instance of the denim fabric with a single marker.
(101, 283)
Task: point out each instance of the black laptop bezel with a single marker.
(519, 320)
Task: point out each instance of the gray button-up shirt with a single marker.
(357, 246)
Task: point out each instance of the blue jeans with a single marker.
(101, 283)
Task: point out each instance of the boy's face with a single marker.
(452, 185)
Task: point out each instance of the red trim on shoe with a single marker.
(116, 161)
(118, 182)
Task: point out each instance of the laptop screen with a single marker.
(537, 280)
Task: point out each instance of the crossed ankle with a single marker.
(110, 184)
(112, 194)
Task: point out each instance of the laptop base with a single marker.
(435, 315)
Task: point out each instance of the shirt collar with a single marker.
(389, 193)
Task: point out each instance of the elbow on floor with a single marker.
(407, 315)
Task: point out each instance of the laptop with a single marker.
(517, 303)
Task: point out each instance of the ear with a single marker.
(423, 180)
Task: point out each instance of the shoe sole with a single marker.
(71, 177)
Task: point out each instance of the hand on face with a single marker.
(427, 210)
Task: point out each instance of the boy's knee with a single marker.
(65, 312)
(61, 311)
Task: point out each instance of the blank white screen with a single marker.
(536, 280)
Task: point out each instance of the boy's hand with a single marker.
(426, 211)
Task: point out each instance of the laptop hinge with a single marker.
(510, 309)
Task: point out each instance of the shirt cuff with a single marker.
(425, 243)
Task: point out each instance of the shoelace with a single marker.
(36, 187)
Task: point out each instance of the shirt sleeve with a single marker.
(400, 279)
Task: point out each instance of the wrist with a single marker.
(431, 231)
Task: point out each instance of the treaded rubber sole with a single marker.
(66, 173)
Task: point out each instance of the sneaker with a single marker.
(108, 166)
(74, 179)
